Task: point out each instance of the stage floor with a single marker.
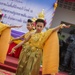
(10, 67)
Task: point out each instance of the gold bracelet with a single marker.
(61, 26)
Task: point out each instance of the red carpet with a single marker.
(62, 73)
(11, 64)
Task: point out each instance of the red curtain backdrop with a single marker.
(17, 52)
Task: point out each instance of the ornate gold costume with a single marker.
(4, 41)
(31, 54)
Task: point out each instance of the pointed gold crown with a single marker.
(34, 19)
(41, 15)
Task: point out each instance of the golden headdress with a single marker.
(41, 15)
(34, 19)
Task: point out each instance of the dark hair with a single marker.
(29, 20)
(40, 20)
(1, 16)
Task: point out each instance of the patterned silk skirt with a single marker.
(29, 61)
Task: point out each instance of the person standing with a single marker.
(36, 44)
(21, 38)
(5, 31)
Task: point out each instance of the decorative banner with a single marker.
(16, 12)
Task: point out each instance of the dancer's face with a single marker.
(29, 26)
(39, 26)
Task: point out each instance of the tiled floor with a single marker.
(4, 72)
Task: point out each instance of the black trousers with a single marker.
(70, 56)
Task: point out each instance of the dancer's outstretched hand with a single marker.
(12, 51)
(19, 26)
(15, 26)
(65, 26)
